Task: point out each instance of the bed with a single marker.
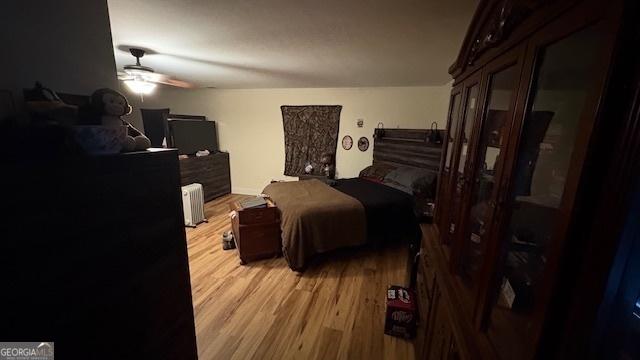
(378, 207)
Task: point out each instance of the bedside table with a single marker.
(256, 232)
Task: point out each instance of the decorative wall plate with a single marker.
(363, 144)
(347, 142)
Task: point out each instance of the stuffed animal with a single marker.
(109, 105)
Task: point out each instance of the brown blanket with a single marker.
(316, 218)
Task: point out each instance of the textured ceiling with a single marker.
(294, 43)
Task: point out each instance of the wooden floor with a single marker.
(264, 310)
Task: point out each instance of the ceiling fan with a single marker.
(143, 79)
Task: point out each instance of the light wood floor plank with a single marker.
(264, 310)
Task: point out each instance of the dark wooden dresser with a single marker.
(94, 257)
(212, 171)
(256, 232)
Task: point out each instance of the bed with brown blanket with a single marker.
(317, 218)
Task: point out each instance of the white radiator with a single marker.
(193, 204)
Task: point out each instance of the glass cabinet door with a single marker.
(458, 176)
(493, 136)
(443, 196)
(562, 79)
(453, 130)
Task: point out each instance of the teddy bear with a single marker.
(108, 107)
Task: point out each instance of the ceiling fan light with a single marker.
(140, 86)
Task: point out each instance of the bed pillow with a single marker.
(398, 186)
(412, 180)
(373, 179)
(376, 172)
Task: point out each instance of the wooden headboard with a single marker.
(407, 147)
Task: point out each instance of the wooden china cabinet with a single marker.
(538, 118)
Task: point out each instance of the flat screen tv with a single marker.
(191, 136)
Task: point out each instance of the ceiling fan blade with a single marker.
(145, 73)
(167, 80)
(178, 83)
(124, 76)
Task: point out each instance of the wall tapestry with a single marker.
(310, 132)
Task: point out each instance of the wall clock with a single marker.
(363, 144)
(347, 142)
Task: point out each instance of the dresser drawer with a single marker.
(426, 266)
(424, 297)
(212, 171)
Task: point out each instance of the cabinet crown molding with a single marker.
(492, 24)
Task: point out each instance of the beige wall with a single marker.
(250, 122)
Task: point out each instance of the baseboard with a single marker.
(245, 191)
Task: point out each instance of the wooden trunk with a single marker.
(256, 232)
